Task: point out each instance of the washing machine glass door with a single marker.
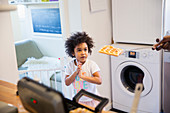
(128, 74)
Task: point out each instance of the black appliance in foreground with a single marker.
(38, 98)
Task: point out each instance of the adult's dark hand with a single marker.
(163, 44)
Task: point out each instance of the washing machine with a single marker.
(138, 63)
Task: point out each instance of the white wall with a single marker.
(98, 26)
(74, 14)
(8, 67)
(15, 22)
(51, 47)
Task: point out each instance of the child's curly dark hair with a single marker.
(76, 39)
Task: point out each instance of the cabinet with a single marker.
(137, 21)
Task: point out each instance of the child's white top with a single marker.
(89, 67)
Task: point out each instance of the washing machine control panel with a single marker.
(133, 54)
(143, 55)
(137, 55)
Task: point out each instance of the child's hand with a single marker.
(79, 69)
(79, 64)
(82, 74)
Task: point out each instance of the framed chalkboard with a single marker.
(46, 20)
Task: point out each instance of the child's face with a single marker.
(81, 52)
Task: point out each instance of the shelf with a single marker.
(32, 3)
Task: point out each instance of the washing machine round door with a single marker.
(129, 73)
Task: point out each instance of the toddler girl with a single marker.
(82, 72)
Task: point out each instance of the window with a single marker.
(46, 20)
